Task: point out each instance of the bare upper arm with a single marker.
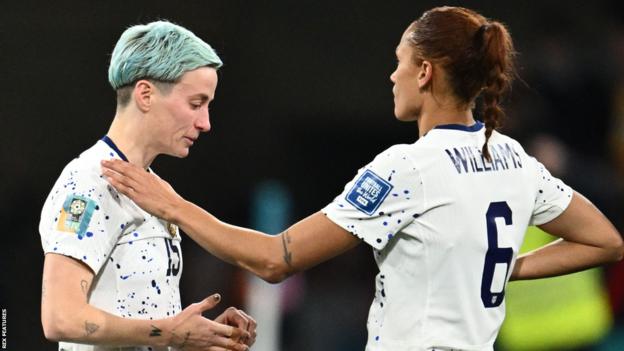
(65, 286)
(583, 223)
(313, 240)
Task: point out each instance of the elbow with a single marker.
(273, 271)
(615, 254)
(56, 327)
(615, 248)
(276, 277)
(274, 265)
(53, 332)
(618, 253)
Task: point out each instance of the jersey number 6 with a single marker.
(495, 255)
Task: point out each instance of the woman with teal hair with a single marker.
(111, 272)
(159, 51)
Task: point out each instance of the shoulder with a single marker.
(396, 151)
(498, 137)
(399, 156)
(510, 144)
(82, 176)
(392, 168)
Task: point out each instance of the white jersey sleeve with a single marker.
(552, 196)
(82, 218)
(382, 199)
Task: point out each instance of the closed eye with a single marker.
(198, 101)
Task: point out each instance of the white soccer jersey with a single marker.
(446, 226)
(135, 256)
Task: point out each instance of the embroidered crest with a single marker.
(76, 214)
(369, 191)
(173, 229)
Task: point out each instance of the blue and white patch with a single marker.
(369, 191)
(76, 214)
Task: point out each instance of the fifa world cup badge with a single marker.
(75, 214)
(77, 208)
(173, 229)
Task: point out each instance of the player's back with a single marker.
(442, 277)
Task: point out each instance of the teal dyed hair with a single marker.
(160, 51)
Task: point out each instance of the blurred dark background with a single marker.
(304, 99)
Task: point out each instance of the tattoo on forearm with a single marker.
(155, 331)
(84, 286)
(183, 343)
(90, 328)
(287, 254)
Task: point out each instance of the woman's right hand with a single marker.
(190, 331)
(146, 189)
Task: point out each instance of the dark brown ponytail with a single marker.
(497, 52)
(476, 53)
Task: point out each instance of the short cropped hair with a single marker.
(160, 51)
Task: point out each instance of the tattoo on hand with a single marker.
(183, 343)
(90, 328)
(84, 286)
(287, 254)
(155, 331)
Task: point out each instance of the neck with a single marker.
(130, 136)
(439, 115)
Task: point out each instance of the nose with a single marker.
(203, 123)
(393, 77)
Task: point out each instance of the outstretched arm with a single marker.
(587, 239)
(271, 257)
(66, 316)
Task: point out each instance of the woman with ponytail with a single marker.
(445, 216)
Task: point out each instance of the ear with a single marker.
(143, 94)
(425, 74)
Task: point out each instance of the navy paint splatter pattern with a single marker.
(551, 198)
(431, 233)
(398, 207)
(137, 262)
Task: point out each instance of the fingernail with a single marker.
(216, 297)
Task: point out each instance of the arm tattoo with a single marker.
(155, 331)
(84, 286)
(90, 328)
(183, 343)
(287, 254)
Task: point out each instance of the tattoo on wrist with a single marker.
(84, 286)
(90, 328)
(287, 254)
(155, 331)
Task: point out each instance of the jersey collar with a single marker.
(112, 145)
(473, 128)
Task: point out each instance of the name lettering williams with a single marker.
(469, 159)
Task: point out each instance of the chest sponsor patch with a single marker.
(369, 191)
(76, 214)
